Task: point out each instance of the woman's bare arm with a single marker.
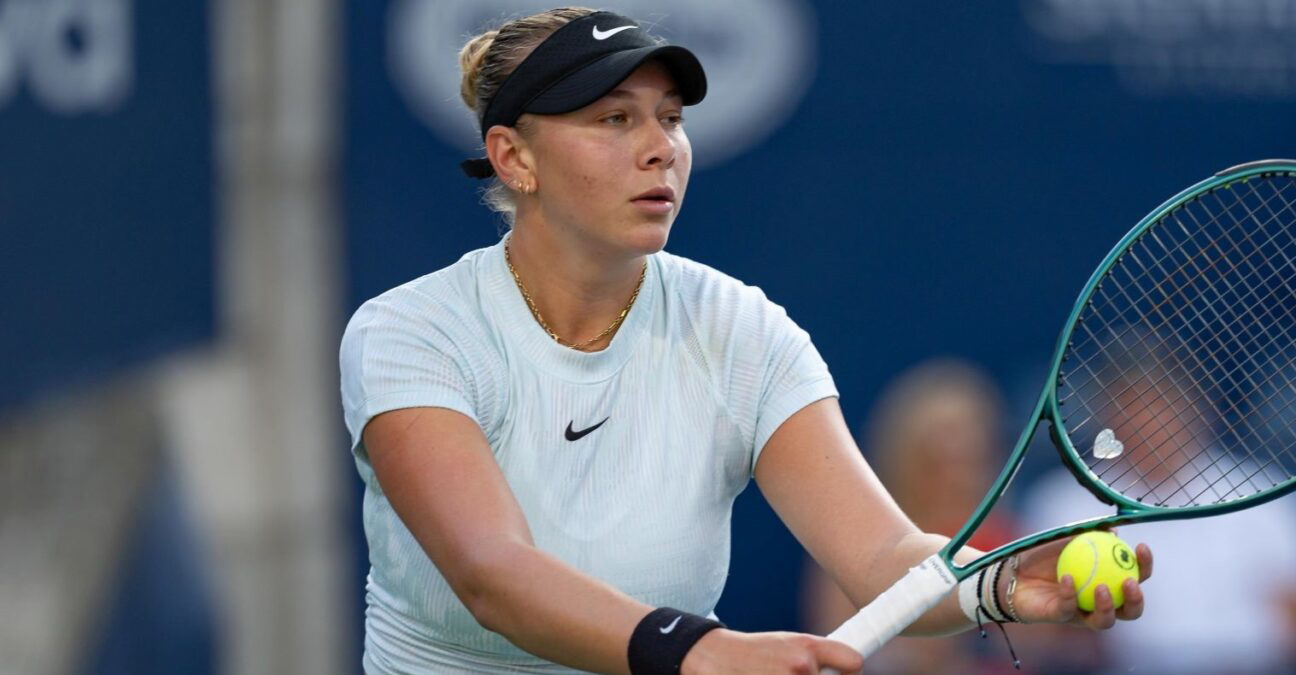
(814, 476)
(440, 476)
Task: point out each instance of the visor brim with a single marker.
(593, 81)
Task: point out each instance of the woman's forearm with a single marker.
(439, 474)
(549, 608)
(910, 550)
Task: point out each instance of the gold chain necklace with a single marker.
(535, 311)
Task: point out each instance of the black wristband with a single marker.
(663, 638)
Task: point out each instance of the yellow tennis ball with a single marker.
(1095, 558)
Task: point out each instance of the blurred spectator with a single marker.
(934, 440)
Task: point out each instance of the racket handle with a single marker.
(897, 607)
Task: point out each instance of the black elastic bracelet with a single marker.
(663, 638)
(994, 596)
(983, 610)
(982, 607)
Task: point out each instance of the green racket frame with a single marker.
(1047, 410)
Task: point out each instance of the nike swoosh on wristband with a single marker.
(577, 435)
(671, 627)
(605, 34)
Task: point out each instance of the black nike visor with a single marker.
(579, 64)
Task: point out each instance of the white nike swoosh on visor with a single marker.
(605, 34)
(671, 627)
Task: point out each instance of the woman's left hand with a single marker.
(1040, 598)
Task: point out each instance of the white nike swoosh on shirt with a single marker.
(605, 34)
(671, 627)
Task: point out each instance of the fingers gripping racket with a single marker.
(1172, 392)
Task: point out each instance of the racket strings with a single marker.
(1142, 341)
(1170, 430)
(1238, 224)
(1169, 373)
(1140, 434)
(1273, 354)
(1142, 344)
(1130, 323)
(1228, 413)
(1179, 413)
(1226, 325)
(1184, 349)
(1235, 385)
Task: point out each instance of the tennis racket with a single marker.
(1171, 392)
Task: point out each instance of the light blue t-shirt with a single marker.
(667, 422)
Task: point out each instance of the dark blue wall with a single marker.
(105, 188)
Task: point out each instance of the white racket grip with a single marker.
(897, 607)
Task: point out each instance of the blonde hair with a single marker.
(488, 59)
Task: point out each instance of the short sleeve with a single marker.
(795, 376)
(405, 350)
(766, 366)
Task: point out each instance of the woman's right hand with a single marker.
(723, 651)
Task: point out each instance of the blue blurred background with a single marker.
(195, 196)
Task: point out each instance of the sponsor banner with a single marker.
(105, 187)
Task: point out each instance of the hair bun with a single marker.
(470, 64)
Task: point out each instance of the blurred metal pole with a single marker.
(256, 422)
(72, 472)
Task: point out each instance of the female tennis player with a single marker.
(552, 430)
